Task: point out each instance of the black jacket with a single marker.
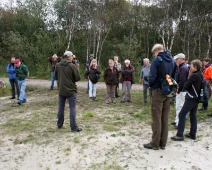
(182, 76)
(93, 74)
(195, 79)
(155, 76)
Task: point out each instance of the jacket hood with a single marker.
(65, 62)
(166, 56)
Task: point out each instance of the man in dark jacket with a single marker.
(160, 104)
(181, 79)
(12, 78)
(67, 75)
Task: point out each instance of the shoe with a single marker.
(173, 123)
(129, 100)
(176, 138)
(94, 99)
(24, 101)
(210, 114)
(202, 110)
(12, 97)
(117, 96)
(149, 146)
(76, 129)
(19, 102)
(59, 127)
(51, 88)
(122, 101)
(162, 147)
(189, 136)
(91, 99)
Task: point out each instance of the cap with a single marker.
(16, 62)
(68, 53)
(180, 55)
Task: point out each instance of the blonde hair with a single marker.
(157, 47)
(93, 61)
(110, 61)
(54, 56)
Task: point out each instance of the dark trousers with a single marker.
(205, 105)
(160, 107)
(117, 90)
(72, 107)
(145, 89)
(191, 106)
(14, 85)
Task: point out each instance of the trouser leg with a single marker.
(72, 115)
(61, 107)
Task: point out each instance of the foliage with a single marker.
(34, 30)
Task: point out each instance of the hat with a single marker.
(181, 55)
(68, 53)
(16, 61)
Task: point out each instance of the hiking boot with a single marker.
(173, 123)
(76, 129)
(176, 138)
(19, 102)
(91, 99)
(162, 147)
(94, 99)
(210, 114)
(189, 136)
(202, 110)
(13, 97)
(149, 146)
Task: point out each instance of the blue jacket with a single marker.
(155, 75)
(11, 71)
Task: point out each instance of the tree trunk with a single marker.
(209, 46)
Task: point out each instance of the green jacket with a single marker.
(21, 72)
(67, 75)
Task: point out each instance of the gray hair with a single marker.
(146, 59)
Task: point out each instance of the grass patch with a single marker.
(29, 138)
(110, 128)
(88, 114)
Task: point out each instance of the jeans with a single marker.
(126, 85)
(14, 85)
(22, 88)
(52, 79)
(191, 106)
(180, 100)
(145, 89)
(72, 106)
(160, 108)
(92, 89)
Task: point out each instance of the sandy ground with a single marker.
(108, 150)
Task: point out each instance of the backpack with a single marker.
(205, 93)
(168, 85)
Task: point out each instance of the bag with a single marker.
(168, 85)
(205, 93)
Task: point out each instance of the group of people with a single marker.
(189, 77)
(18, 73)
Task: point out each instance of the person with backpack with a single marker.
(111, 77)
(160, 103)
(207, 73)
(93, 74)
(192, 87)
(181, 79)
(12, 78)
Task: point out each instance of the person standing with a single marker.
(127, 79)
(144, 75)
(67, 74)
(118, 66)
(22, 73)
(207, 73)
(181, 78)
(191, 102)
(12, 78)
(160, 104)
(53, 60)
(111, 76)
(88, 63)
(93, 75)
(76, 62)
